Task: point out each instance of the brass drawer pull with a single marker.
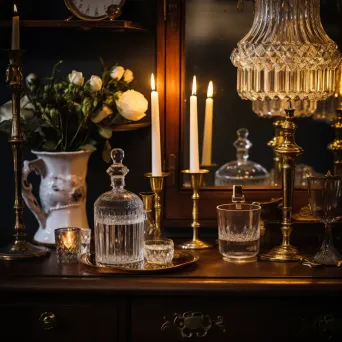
(193, 324)
(48, 320)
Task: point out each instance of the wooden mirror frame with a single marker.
(177, 200)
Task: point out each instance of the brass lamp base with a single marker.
(20, 250)
(282, 253)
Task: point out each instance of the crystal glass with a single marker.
(159, 251)
(276, 108)
(85, 240)
(119, 220)
(325, 201)
(241, 171)
(239, 231)
(286, 54)
(68, 245)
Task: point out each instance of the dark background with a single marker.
(80, 50)
(213, 28)
(216, 22)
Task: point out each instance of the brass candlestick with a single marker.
(336, 145)
(157, 185)
(19, 249)
(196, 179)
(277, 140)
(288, 151)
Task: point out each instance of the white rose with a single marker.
(25, 112)
(76, 78)
(132, 105)
(30, 77)
(117, 73)
(95, 83)
(104, 113)
(128, 76)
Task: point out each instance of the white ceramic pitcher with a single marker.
(62, 192)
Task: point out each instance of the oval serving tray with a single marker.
(180, 259)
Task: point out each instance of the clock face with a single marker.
(91, 9)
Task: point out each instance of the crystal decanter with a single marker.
(119, 221)
(241, 171)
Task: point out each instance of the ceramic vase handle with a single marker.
(38, 167)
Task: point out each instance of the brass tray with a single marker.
(180, 259)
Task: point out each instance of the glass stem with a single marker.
(328, 239)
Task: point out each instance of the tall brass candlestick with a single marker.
(19, 249)
(157, 185)
(288, 151)
(277, 140)
(336, 145)
(196, 180)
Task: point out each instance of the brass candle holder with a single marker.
(277, 140)
(157, 185)
(336, 145)
(196, 180)
(19, 249)
(288, 150)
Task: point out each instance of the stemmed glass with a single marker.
(325, 200)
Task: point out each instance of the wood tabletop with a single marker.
(209, 274)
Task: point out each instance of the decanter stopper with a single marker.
(238, 196)
(117, 170)
(242, 145)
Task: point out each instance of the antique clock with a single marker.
(95, 10)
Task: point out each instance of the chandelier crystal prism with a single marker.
(286, 54)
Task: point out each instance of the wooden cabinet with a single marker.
(50, 321)
(210, 301)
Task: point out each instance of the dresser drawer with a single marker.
(51, 322)
(236, 319)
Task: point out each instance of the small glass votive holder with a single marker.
(68, 245)
(239, 231)
(85, 240)
(159, 251)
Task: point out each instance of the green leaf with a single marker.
(107, 148)
(49, 146)
(87, 147)
(105, 132)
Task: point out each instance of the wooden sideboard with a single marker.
(212, 301)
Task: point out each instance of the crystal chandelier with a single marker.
(326, 110)
(286, 54)
(276, 108)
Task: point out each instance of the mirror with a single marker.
(212, 30)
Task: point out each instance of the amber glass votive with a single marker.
(68, 245)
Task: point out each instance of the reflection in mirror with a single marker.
(236, 138)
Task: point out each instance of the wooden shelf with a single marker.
(130, 127)
(115, 25)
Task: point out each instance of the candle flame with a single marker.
(68, 240)
(15, 9)
(153, 83)
(194, 86)
(210, 91)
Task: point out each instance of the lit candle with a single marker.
(208, 127)
(156, 149)
(68, 240)
(15, 29)
(194, 154)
